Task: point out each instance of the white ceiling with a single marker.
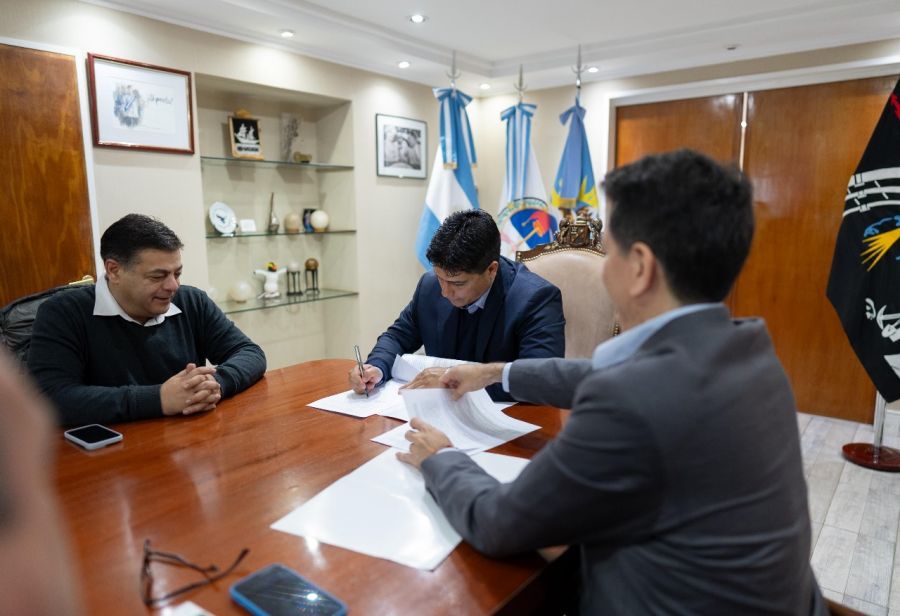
(493, 37)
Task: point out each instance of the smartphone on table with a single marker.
(93, 436)
(279, 591)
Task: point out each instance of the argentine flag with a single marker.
(525, 220)
(452, 187)
(574, 187)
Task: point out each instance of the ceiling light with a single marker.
(593, 69)
(418, 18)
(731, 47)
(403, 64)
(287, 34)
(485, 86)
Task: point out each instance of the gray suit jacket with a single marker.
(678, 474)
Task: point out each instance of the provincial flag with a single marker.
(525, 219)
(574, 187)
(452, 186)
(864, 285)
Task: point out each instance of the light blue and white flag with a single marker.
(574, 187)
(452, 187)
(525, 219)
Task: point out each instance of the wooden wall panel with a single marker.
(46, 238)
(711, 125)
(802, 144)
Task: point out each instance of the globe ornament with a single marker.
(319, 220)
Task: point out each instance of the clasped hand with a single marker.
(192, 390)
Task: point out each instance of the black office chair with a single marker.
(17, 317)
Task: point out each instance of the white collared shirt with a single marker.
(105, 305)
(479, 303)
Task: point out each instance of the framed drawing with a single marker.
(243, 134)
(401, 147)
(140, 106)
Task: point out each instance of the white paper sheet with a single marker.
(382, 509)
(473, 423)
(380, 401)
(384, 400)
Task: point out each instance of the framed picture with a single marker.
(140, 106)
(244, 137)
(401, 146)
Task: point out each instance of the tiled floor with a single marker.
(855, 516)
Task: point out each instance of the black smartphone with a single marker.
(93, 436)
(279, 591)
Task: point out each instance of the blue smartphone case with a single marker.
(278, 591)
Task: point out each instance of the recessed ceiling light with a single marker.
(593, 69)
(418, 18)
(485, 86)
(287, 34)
(403, 64)
(731, 47)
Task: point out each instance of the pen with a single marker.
(361, 371)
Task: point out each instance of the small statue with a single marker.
(271, 274)
(273, 219)
(312, 276)
(293, 280)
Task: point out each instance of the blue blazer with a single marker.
(522, 318)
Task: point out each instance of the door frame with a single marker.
(80, 58)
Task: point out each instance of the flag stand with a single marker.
(875, 456)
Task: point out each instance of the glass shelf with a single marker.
(237, 236)
(232, 307)
(223, 160)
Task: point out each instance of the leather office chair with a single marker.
(17, 317)
(574, 262)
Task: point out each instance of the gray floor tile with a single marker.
(865, 607)
(832, 557)
(870, 571)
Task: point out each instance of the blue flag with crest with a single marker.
(574, 186)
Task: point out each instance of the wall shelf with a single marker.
(237, 236)
(224, 160)
(232, 307)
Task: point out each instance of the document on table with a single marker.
(473, 423)
(384, 400)
(401, 521)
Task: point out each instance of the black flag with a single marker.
(864, 286)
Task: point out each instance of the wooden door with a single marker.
(711, 125)
(802, 144)
(46, 238)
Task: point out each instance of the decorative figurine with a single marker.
(273, 219)
(307, 225)
(271, 274)
(312, 274)
(240, 291)
(319, 220)
(290, 139)
(293, 279)
(292, 223)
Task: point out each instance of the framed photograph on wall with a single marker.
(139, 106)
(401, 147)
(244, 137)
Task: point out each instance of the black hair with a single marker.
(695, 214)
(467, 241)
(131, 234)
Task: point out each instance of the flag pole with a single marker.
(875, 456)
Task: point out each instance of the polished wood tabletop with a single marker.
(207, 486)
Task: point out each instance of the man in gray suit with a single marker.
(678, 473)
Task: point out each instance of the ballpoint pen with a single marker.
(361, 371)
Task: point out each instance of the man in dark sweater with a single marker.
(135, 345)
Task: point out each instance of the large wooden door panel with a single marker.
(802, 144)
(711, 125)
(46, 238)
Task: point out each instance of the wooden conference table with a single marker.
(207, 486)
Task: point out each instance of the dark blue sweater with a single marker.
(104, 369)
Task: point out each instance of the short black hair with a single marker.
(695, 214)
(467, 241)
(129, 235)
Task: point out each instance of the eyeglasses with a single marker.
(210, 573)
